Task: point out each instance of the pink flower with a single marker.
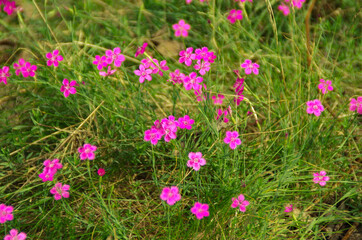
(18, 66)
(10, 7)
(101, 172)
(108, 73)
(243, 0)
(54, 58)
(51, 167)
(60, 191)
(187, 56)
(200, 210)
(6, 213)
(114, 56)
(87, 151)
(232, 139)
(202, 53)
(284, 9)
(235, 15)
(240, 202)
(315, 107)
(170, 195)
(320, 178)
(192, 81)
(325, 86)
(141, 50)
(185, 122)
(4, 74)
(202, 66)
(15, 236)
(356, 104)
(68, 88)
(218, 99)
(25, 68)
(100, 61)
(161, 66)
(220, 112)
(297, 3)
(176, 77)
(143, 73)
(196, 160)
(288, 208)
(188, 1)
(250, 67)
(152, 135)
(181, 29)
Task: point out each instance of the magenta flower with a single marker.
(356, 104)
(232, 139)
(6, 213)
(25, 68)
(250, 67)
(108, 73)
(243, 0)
(143, 73)
(284, 9)
(235, 15)
(202, 66)
(141, 50)
(60, 191)
(181, 28)
(297, 3)
(87, 151)
(218, 99)
(320, 178)
(192, 81)
(325, 86)
(115, 56)
(18, 66)
(100, 61)
(51, 167)
(315, 107)
(196, 160)
(288, 208)
(185, 122)
(4, 74)
(152, 135)
(15, 236)
(101, 172)
(220, 113)
(68, 88)
(176, 77)
(210, 57)
(240, 202)
(54, 58)
(202, 53)
(186, 56)
(170, 195)
(10, 7)
(188, 1)
(200, 210)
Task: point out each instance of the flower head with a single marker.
(192, 81)
(176, 77)
(250, 67)
(25, 68)
(6, 213)
(141, 50)
(143, 73)
(100, 61)
(170, 195)
(232, 139)
(50, 168)
(320, 178)
(54, 58)
(60, 191)
(115, 57)
(187, 56)
(240, 202)
(288, 208)
(185, 122)
(68, 88)
(87, 151)
(15, 236)
(202, 66)
(108, 73)
(10, 7)
(4, 74)
(356, 104)
(101, 172)
(181, 28)
(218, 99)
(235, 15)
(315, 107)
(200, 210)
(196, 160)
(152, 135)
(325, 86)
(284, 9)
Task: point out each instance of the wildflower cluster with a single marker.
(284, 7)
(167, 128)
(111, 57)
(150, 66)
(25, 68)
(50, 169)
(6, 214)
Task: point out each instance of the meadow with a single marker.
(179, 119)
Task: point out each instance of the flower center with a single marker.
(315, 107)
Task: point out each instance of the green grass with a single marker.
(270, 169)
